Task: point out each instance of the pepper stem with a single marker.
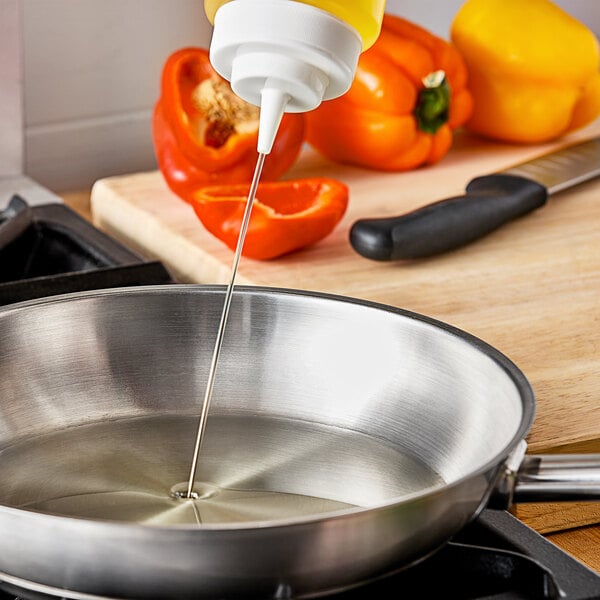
(433, 103)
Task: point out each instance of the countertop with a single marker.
(531, 289)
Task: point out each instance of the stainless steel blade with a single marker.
(564, 168)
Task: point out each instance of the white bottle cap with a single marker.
(297, 53)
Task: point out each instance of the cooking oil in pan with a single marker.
(253, 469)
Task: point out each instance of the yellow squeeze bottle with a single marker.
(364, 16)
(290, 55)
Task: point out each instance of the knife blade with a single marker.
(489, 202)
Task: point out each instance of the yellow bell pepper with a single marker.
(533, 69)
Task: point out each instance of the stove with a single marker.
(496, 557)
(48, 249)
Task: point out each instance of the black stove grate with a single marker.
(497, 557)
(47, 250)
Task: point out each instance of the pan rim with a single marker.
(513, 372)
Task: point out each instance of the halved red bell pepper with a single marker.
(286, 215)
(204, 134)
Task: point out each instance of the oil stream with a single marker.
(223, 324)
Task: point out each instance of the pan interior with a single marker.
(252, 469)
(319, 404)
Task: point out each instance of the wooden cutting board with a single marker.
(531, 289)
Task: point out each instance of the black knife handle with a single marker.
(489, 202)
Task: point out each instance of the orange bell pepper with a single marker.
(204, 134)
(286, 215)
(409, 94)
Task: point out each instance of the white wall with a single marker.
(91, 76)
(11, 117)
(92, 69)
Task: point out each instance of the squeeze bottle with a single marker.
(289, 55)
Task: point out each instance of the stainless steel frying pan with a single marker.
(346, 439)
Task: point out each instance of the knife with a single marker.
(489, 202)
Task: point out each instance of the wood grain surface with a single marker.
(531, 288)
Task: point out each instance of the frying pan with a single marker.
(346, 439)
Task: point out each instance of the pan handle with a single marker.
(546, 478)
(558, 478)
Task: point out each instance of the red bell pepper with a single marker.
(204, 134)
(286, 215)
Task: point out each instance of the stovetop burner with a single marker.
(47, 250)
(497, 557)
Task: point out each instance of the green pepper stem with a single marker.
(433, 103)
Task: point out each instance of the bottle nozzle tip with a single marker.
(272, 107)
